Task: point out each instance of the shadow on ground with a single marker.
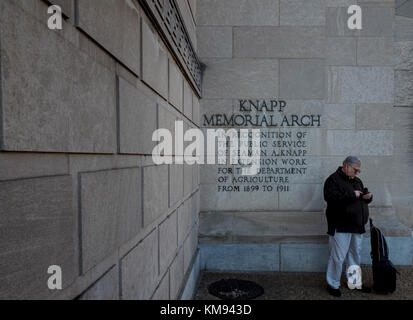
(309, 286)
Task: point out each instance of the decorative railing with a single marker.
(167, 19)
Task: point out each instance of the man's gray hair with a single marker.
(351, 160)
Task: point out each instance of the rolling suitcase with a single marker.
(384, 273)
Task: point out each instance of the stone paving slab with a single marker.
(308, 286)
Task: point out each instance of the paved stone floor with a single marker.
(308, 286)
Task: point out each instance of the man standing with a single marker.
(347, 214)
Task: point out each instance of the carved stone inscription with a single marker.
(284, 145)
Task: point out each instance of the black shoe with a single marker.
(334, 292)
(363, 289)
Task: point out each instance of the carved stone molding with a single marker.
(166, 17)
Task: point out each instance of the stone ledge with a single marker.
(284, 227)
(191, 278)
(293, 257)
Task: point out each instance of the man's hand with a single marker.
(367, 196)
(358, 193)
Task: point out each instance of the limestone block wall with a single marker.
(78, 187)
(403, 119)
(302, 51)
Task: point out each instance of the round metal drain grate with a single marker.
(234, 289)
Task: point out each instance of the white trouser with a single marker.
(343, 246)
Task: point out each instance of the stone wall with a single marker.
(302, 51)
(78, 187)
(403, 111)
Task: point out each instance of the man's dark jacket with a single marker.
(345, 212)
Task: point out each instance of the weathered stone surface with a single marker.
(403, 52)
(196, 111)
(168, 241)
(176, 275)
(374, 116)
(215, 225)
(93, 49)
(196, 206)
(106, 288)
(38, 10)
(190, 247)
(302, 79)
(303, 257)
(238, 12)
(195, 176)
(137, 118)
(110, 212)
(377, 22)
(175, 86)
(123, 72)
(69, 107)
(187, 178)
(282, 42)
(382, 194)
(154, 61)
(65, 5)
(374, 142)
(403, 133)
(341, 51)
(403, 81)
(30, 165)
(371, 172)
(260, 227)
(403, 29)
(340, 116)
(378, 3)
(336, 22)
(114, 25)
(340, 3)
(404, 8)
(91, 162)
(193, 6)
(214, 42)
(240, 257)
(375, 52)
(191, 285)
(155, 189)
(166, 119)
(187, 100)
(302, 13)
(402, 174)
(37, 228)
(225, 78)
(176, 183)
(360, 84)
(185, 220)
(310, 198)
(162, 292)
(140, 269)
